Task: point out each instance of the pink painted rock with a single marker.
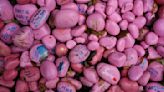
(62, 35)
(126, 5)
(128, 85)
(140, 21)
(117, 59)
(10, 74)
(25, 59)
(115, 88)
(52, 83)
(135, 72)
(77, 67)
(123, 25)
(66, 18)
(151, 38)
(41, 32)
(108, 72)
(49, 41)
(112, 27)
(138, 7)
(156, 71)
(140, 50)
(100, 7)
(33, 86)
(16, 49)
(23, 13)
(86, 82)
(65, 87)
(129, 16)
(100, 88)
(70, 44)
(74, 82)
(7, 83)
(21, 86)
(91, 75)
(49, 4)
(116, 17)
(79, 54)
(4, 89)
(8, 32)
(5, 50)
(48, 70)
(24, 38)
(11, 62)
(161, 41)
(134, 31)
(96, 22)
(78, 31)
(93, 45)
(144, 79)
(30, 74)
(112, 5)
(70, 6)
(120, 44)
(152, 53)
(108, 42)
(131, 57)
(6, 11)
(158, 27)
(82, 19)
(160, 50)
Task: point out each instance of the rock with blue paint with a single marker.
(144, 64)
(8, 32)
(73, 81)
(62, 65)
(23, 13)
(65, 87)
(39, 18)
(100, 86)
(78, 54)
(154, 87)
(38, 53)
(156, 70)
